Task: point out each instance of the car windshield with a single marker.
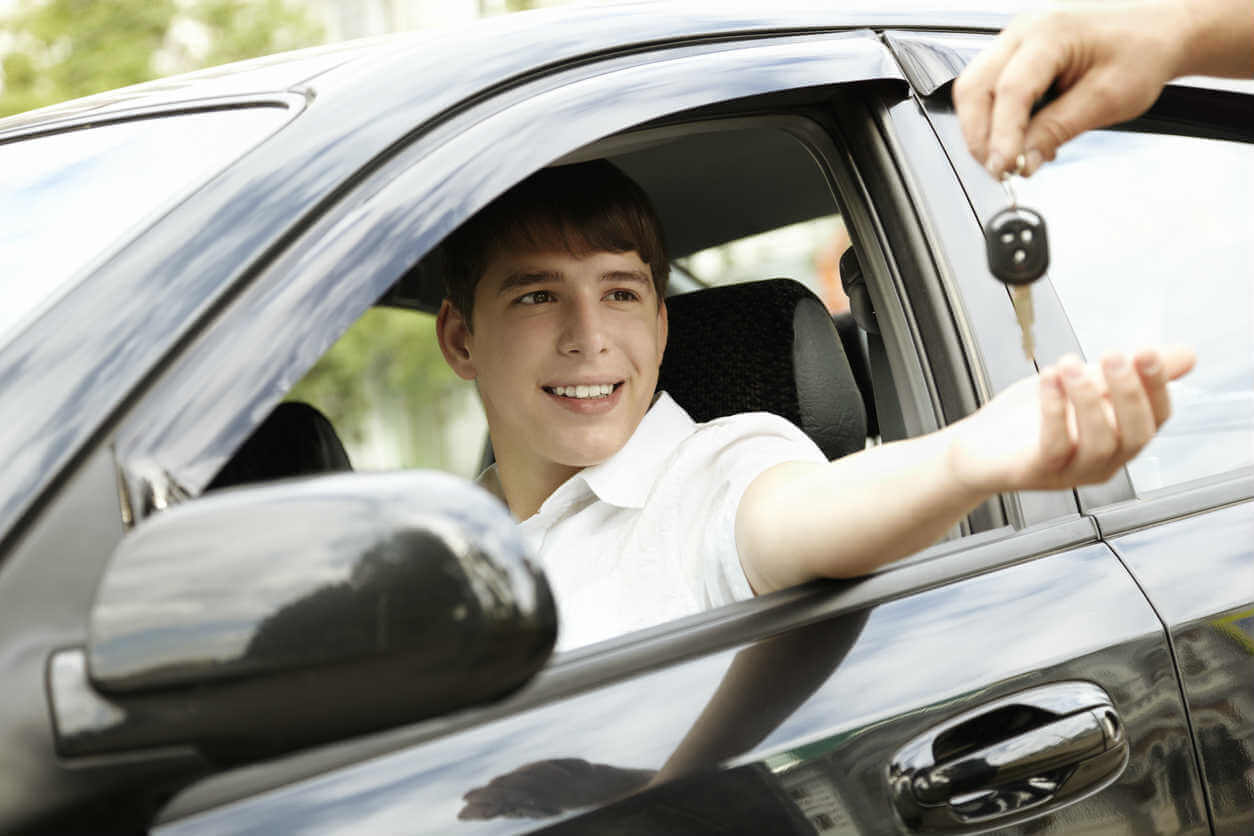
(68, 200)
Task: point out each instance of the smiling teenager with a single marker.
(556, 309)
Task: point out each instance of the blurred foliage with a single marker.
(385, 384)
(64, 49)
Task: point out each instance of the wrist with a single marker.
(1178, 31)
(969, 472)
(1208, 37)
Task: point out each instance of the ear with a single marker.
(663, 325)
(453, 332)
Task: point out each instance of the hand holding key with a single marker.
(1070, 425)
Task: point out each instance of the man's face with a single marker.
(565, 351)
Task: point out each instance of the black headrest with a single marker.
(767, 346)
(294, 440)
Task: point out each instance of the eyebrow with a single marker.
(527, 278)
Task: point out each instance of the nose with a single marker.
(583, 327)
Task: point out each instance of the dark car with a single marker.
(313, 650)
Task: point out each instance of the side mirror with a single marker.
(261, 620)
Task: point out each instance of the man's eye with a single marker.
(623, 296)
(535, 297)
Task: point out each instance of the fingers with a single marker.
(1129, 397)
(1116, 412)
(1056, 443)
(1178, 360)
(973, 92)
(1096, 436)
(1076, 111)
(1153, 377)
(1025, 78)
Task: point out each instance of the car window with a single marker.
(393, 400)
(1152, 241)
(67, 198)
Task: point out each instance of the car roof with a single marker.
(436, 59)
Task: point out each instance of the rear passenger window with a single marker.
(1152, 241)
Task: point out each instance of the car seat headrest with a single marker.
(766, 346)
(854, 282)
(294, 440)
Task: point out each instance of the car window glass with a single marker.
(67, 198)
(1152, 241)
(393, 400)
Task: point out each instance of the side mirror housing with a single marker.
(260, 620)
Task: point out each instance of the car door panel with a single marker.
(825, 706)
(1199, 572)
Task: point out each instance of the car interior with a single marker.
(712, 182)
(769, 339)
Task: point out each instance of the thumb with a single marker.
(1178, 360)
(1097, 100)
(1056, 442)
(1078, 110)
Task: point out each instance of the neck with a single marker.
(526, 485)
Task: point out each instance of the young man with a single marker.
(556, 309)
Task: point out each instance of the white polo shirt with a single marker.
(649, 534)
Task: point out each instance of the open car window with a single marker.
(394, 401)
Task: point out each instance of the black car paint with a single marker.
(1116, 640)
(849, 690)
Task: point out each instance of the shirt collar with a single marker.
(626, 478)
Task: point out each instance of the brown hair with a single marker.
(579, 209)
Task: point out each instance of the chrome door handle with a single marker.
(1013, 759)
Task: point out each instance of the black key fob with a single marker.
(1018, 248)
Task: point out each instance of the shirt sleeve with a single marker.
(734, 451)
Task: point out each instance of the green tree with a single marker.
(64, 49)
(385, 382)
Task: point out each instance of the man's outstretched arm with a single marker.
(1108, 62)
(1071, 425)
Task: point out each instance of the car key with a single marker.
(1018, 254)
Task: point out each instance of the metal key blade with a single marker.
(1021, 297)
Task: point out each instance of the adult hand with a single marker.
(1070, 425)
(1108, 63)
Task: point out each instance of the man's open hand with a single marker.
(1070, 425)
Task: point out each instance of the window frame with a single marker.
(153, 442)
(206, 401)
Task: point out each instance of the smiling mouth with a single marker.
(591, 391)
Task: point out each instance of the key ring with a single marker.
(1006, 176)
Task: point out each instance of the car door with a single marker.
(1014, 678)
(1151, 243)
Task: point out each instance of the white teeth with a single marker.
(589, 390)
